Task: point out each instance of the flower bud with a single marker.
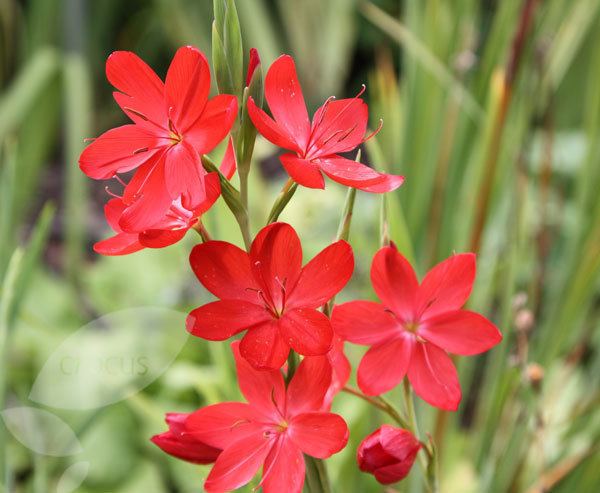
(183, 445)
(388, 453)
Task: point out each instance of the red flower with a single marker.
(269, 293)
(272, 430)
(253, 62)
(174, 123)
(183, 445)
(338, 126)
(411, 331)
(388, 453)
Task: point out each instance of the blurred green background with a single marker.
(491, 111)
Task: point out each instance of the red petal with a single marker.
(145, 91)
(341, 370)
(120, 244)
(151, 206)
(161, 238)
(118, 150)
(434, 377)
(323, 277)
(309, 385)
(187, 87)
(228, 166)
(224, 269)
(338, 126)
(212, 192)
(223, 424)
(364, 322)
(286, 102)
(263, 389)
(264, 348)
(384, 366)
(307, 331)
(284, 468)
(394, 281)
(447, 286)
(388, 184)
(253, 62)
(215, 123)
(112, 211)
(185, 175)
(193, 451)
(276, 260)
(220, 320)
(302, 171)
(319, 434)
(348, 172)
(461, 332)
(269, 128)
(238, 463)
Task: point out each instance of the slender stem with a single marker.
(379, 403)
(286, 194)
(202, 231)
(243, 188)
(293, 362)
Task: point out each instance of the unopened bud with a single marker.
(524, 320)
(535, 374)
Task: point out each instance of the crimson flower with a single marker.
(169, 229)
(388, 453)
(411, 330)
(268, 293)
(183, 445)
(174, 123)
(338, 126)
(273, 429)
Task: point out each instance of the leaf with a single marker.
(73, 477)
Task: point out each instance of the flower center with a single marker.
(411, 327)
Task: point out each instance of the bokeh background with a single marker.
(492, 112)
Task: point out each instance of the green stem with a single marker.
(380, 403)
(286, 194)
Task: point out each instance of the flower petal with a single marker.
(461, 332)
(185, 175)
(229, 164)
(214, 124)
(383, 366)
(302, 171)
(388, 184)
(223, 424)
(286, 102)
(224, 269)
(319, 435)
(119, 244)
(284, 468)
(269, 128)
(222, 319)
(348, 172)
(363, 322)
(307, 331)
(187, 86)
(324, 276)
(394, 281)
(118, 150)
(433, 376)
(276, 261)
(263, 389)
(447, 286)
(264, 347)
(153, 203)
(161, 238)
(144, 90)
(237, 464)
(309, 385)
(338, 126)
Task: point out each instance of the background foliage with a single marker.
(492, 112)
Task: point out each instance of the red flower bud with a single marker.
(388, 453)
(184, 446)
(253, 62)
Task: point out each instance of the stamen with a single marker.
(348, 132)
(89, 139)
(373, 134)
(112, 194)
(137, 113)
(120, 180)
(140, 150)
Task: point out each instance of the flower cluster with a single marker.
(283, 305)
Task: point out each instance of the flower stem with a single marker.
(201, 230)
(286, 194)
(380, 403)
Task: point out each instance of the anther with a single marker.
(373, 134)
